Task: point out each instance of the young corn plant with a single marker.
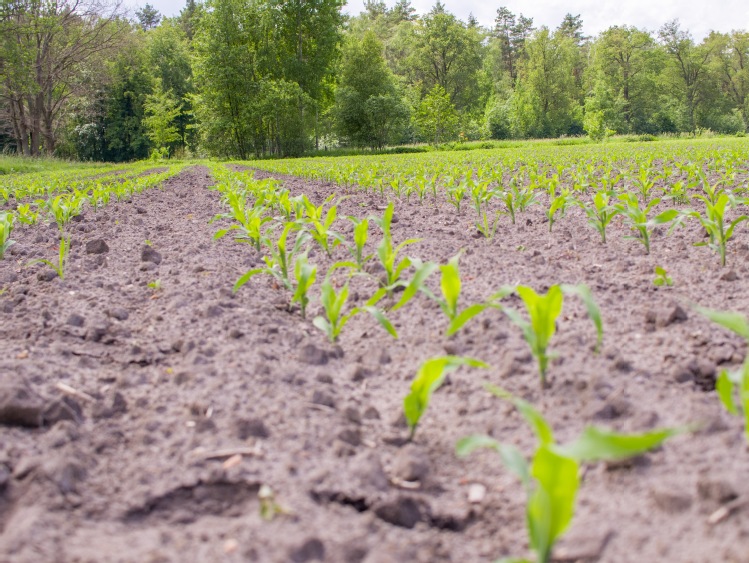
(281, 260)
(552, 478)
(718, 228)
(487, 227)
(543, 311)
(450, 287)
(558, 204)
(637, 215)
(456, 194)
(6, 228)
(62, 258)
(388, 254)
(321, 231)
(662, 278)
(304, 274)
(361, 235)
(334, 305)
(729, 382)
(428, 379)
(600, 212)
(249, 227)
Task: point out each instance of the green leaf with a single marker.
(583, 292)
(510, 455)
(246, 277)
(464, 316)
(732, 321)
(724, 387)
(534, 418)
(417, 282)
(430, 376)
(382, 319)
(552, 504)
(597, 444)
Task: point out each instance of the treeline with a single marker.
(248, 78)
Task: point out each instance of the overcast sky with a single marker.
(699, 17)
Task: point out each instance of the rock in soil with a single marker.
(20, 405)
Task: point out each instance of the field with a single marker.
(205, 366)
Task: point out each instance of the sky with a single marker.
(699, 17)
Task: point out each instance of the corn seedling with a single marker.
(155, 285)
(487, 227)
(62, 258)
(456, 194)
(558, 204)
(281, 260)
(361, 235)
(600, 212)
(727, 381)
(25, 215)
(6, 228)
(321, 225)
(718, 228)
(334, 305)
(428, 379)
(250, 223)
(637, 215)
(543, 311)
(662, 278)
(305, 275)
(450, 287)
(552, 478)
(388, 254)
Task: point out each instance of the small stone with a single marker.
(476, 493)
(46, 275)
(729, 276)
(402, 511)
(368, 469)
(4, 477)
(148, 254)
(324, 378)
(97, 246)
(351, 436)
(312, 355)
(371, 413)
(19, 404)
(352, 414)
(670, 315)
(615, 407)
(64, 408)
(311, 550)
(76, 320)
(671, 501)
(716, 490)
(250, 428)
(323, 398)
(359, 373)
(214, 311)
(236, 334)
(411, 464)
(118, 313)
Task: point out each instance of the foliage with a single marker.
(552, 479)
(428, 379)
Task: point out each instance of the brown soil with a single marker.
(145, 395)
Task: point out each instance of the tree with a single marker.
(148, 17)
(162, 110)
(447, 54)
(688, 69)
(572, 27)
(369, 110)
(625, 62)
(512, 33)
(546, 101)
(730, 67)
(44, 47)
(437, 118)
(169, 57)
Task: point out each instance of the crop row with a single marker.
(285, 229)
(663, 187)
(63, 207)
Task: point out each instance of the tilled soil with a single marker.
(146, 423)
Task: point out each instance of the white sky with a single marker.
(697, 16)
